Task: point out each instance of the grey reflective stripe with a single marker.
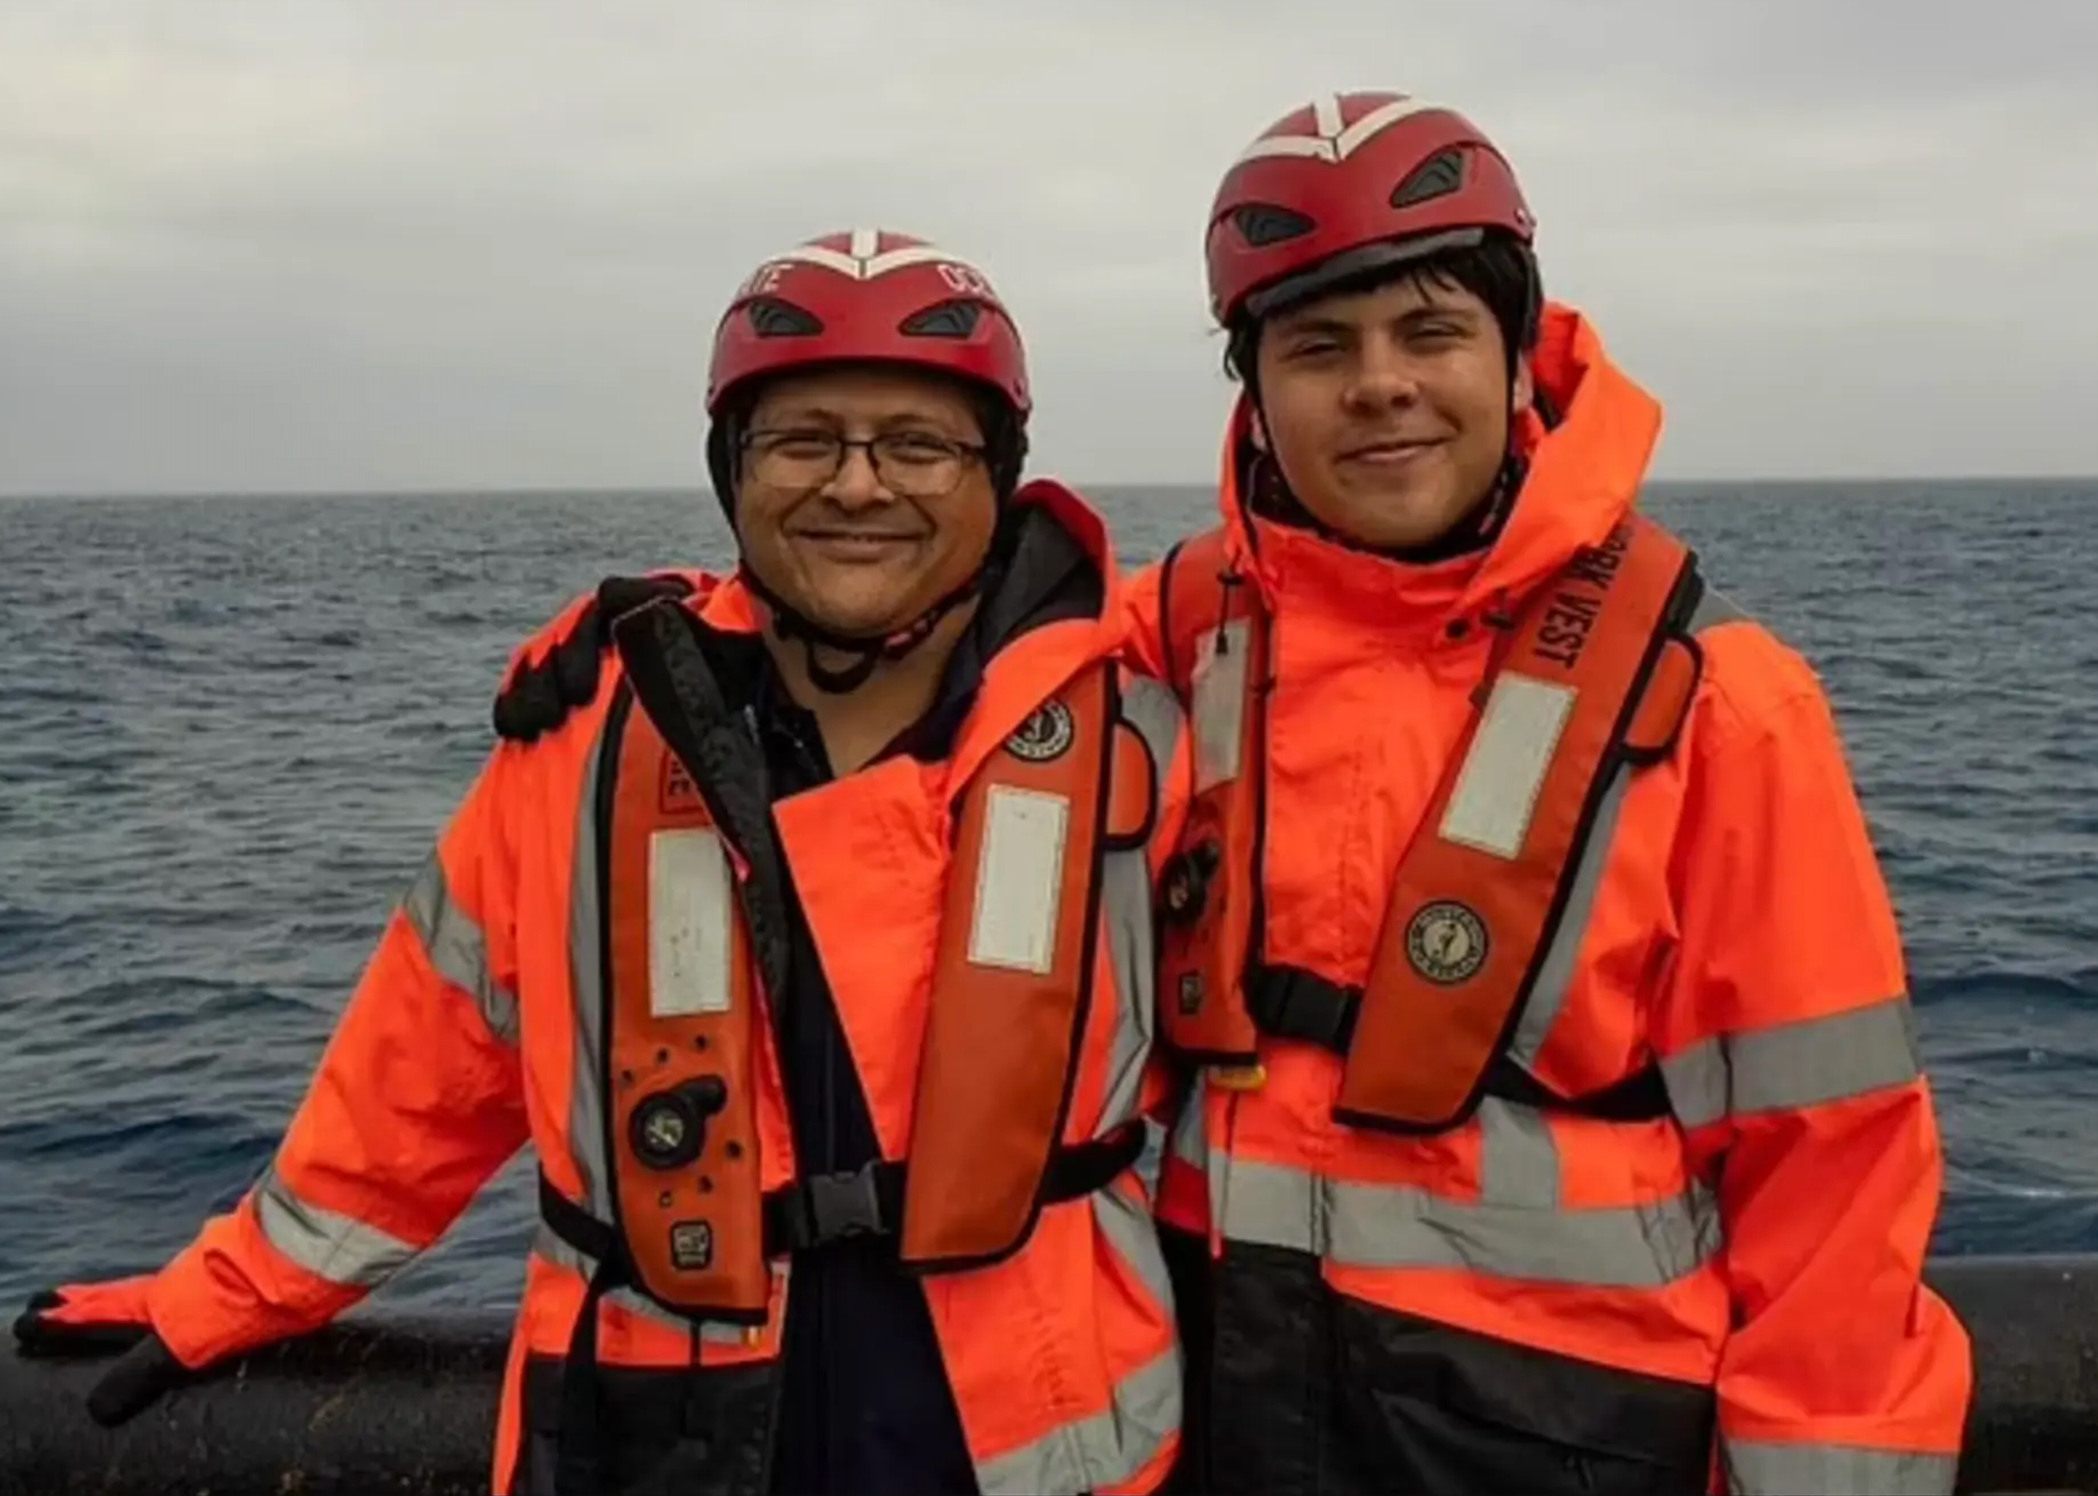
(1518, 1156)
(586, 1100)
(1218, 691)
(1094, 1453)
(1713, 609)
(1126, 908)
(562, 1255)
(1555, 972)
(1132, 1230)
(1150, 707)
(1126, 921)
(337, 1247)
(458, 948)
(1125, 917)
(1758, 1469)
(1793, 1065)
(1374, 1225)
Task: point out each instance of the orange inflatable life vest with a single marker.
(1597, 670)
(688, 994)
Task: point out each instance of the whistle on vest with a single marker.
(1186, 882)
(1238, 1077)
(1201, 958)
(1185, 895)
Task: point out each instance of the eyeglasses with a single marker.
(912, 464)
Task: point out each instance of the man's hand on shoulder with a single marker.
(545, 687)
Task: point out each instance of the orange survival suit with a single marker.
(1560, 1125)
(586, 965)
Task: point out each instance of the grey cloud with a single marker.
(484, 243)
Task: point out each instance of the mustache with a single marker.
(822, 518)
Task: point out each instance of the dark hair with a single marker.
(1500, 271)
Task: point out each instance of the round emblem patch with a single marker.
(1446, 943)
(1046, 734)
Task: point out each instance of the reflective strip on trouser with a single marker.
(1761, 1469)
(457, 948)
(1794, 1065)
(326, 1243)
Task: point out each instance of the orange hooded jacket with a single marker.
(1534, 1299)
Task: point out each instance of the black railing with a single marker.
(408, 1406)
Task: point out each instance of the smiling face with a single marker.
(1388, 410)
(866, 548)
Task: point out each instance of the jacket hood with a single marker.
(1583, 474)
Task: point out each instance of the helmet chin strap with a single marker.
(867, 650)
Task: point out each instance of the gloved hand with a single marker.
(90, 1319)
(539, 697)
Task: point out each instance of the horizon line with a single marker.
(1084, 489)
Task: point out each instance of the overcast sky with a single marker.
(463, 243)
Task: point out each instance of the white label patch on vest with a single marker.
(1497, 788)
(688, 923)
(1019, 880)
(1220, 703)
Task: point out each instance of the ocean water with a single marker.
(229, 727)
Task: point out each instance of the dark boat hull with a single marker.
(385, 1404)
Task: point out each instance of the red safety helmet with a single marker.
(1348, 183)
(868, 294)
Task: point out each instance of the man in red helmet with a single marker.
(806, 938)
(1559, 1125)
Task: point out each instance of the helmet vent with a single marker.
(1262, 224)
(782, 319)
(950, 319)
(1438, 176)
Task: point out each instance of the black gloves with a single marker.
(100, 1319)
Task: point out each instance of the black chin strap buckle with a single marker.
(790, 623)
(838, 682)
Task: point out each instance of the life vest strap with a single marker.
(868, 1201)
(1292, 1003)
(824, 1208)
(1288, 1002)
(577, 1443)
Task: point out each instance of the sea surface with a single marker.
(229, 728)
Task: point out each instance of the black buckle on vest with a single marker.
(843, 1205)
(1290, 1003)
(822, 1208)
